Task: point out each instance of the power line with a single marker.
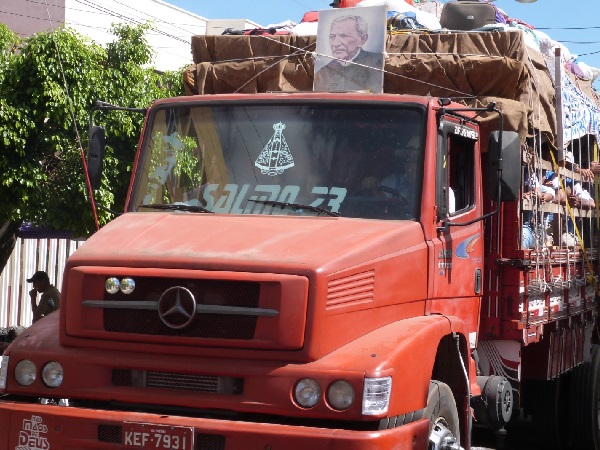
(71, 8)
(164, 49)
(153, 17)
(579, 42)
(302, 4)
(568, 28)
(108, 12)
(126, 18)
(156, 32)
(93, 8)
(25, 16)
(107, 30)
(123, 18)
(88, 11)
(589, 53)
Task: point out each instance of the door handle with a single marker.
(478, 281)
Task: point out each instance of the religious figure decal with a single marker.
(276, 156)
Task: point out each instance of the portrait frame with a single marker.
(341, 75)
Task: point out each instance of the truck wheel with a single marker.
(549, 411)
(584, 406)
(444, 431)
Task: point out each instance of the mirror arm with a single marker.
(104, 106)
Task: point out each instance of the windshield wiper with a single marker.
(177, 207)
(295, 206)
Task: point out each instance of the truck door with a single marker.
(458, 249)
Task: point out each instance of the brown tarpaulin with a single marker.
(473, 68)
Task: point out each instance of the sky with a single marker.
(574, 23)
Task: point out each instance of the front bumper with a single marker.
(49, 427)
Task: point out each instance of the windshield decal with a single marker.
(245, 199)
(276, 156)
(339, 194)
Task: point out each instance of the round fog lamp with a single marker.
(127, 285)
(112, 285)
(307, 392)
(25, 373)
(52, 374)
(340, 395)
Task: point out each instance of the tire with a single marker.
(584, 424)
(442, 414)
(549, 411)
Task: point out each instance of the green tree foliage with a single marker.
(48, 84)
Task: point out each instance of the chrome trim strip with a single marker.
(200, 309)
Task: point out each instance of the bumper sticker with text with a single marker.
(31, 436)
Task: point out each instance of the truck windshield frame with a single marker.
(352, 159)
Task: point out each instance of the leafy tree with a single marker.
(48, 84)
(9, 43)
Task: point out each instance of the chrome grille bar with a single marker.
(200, 308)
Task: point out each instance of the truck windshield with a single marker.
(343, 159)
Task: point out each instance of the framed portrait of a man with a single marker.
(350, 49)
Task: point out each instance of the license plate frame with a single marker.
(151, 436)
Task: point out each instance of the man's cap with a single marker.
(38, 276)
(569, 157)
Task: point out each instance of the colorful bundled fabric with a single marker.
(403, 21)
(581, 114)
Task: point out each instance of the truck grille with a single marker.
(186, 382)
(190, 309)
(243, 294)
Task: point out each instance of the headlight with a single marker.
(25, 373)
(3, 371)
(376, 395)
(340, 395)
(112, 285)
(307, 392)
(127, 285)
(52, 374)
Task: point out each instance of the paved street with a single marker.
(519, 437)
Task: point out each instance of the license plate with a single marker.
(144, 436)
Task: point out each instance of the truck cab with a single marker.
(291, 270)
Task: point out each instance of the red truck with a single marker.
(325, 270)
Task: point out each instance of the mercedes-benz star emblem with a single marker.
(177, 307)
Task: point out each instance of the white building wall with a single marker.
(29, 256)
(170, 35)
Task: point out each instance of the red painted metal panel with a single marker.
(63, 428)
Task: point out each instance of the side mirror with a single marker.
(504, 166)
(95, 157)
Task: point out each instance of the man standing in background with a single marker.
(50, 299)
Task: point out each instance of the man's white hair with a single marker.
(362, 26)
